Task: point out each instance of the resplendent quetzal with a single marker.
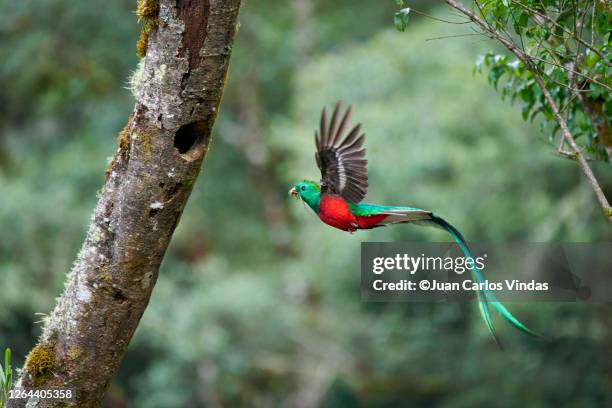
(344, 183)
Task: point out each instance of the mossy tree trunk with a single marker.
(161, 149)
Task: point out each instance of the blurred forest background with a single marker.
(258, 303)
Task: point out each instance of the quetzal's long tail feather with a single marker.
(485, 297)
(399, 215)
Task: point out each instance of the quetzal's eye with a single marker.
(303, 188)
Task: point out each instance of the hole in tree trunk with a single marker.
(119, 296)
(190, 137)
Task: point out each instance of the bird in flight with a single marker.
(340, 157)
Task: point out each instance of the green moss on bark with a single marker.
(40, 363)
(148, 12)
(147, 9)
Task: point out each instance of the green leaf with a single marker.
(561, 50)
(400, 20)
(478, 64)
(7, 365)
(515, 68)
(591, 58)
(526, 109)
(526, 94)
(595, 91)
(399, 3)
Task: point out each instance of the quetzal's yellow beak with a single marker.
(293, 192)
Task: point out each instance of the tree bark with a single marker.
(148, 183)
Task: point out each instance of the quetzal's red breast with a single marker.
(334, 211)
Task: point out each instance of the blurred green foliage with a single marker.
(6, 378)
(258, 303)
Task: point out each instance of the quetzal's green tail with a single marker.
(399, 215)
(485, 297)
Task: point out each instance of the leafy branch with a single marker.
(561, 70)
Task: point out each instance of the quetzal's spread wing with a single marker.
(341, 158)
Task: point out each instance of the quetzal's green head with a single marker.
(305, 188)
(309, 191)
